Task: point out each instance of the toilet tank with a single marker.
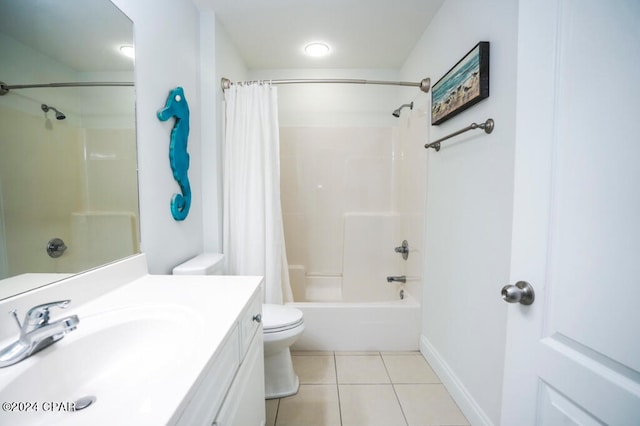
(202, 264)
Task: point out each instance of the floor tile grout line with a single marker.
(335, 371)
(275, 421)
(393, 386)
(399, 403)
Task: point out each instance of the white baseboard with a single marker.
(454, 385)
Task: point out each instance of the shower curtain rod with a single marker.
(4, 88)
(424, 84)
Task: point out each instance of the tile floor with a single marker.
(365, 389)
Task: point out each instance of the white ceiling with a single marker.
(85, 35)
(362, 33)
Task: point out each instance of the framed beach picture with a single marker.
(464, 85)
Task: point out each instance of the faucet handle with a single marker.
(39, 315)
(403, 249)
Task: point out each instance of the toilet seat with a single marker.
(278, 318)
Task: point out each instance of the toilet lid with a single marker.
(280, 317)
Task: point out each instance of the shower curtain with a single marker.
(253, 233)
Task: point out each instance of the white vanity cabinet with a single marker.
(232, 390)
(244, 404)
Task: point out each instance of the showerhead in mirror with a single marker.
(59, 115)
(396, 113)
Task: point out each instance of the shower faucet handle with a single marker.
(403, 249)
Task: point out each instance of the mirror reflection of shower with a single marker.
(396, 113)
(59, 115)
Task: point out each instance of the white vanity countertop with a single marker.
(143, 349)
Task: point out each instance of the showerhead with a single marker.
(396, 113)
(59, 115)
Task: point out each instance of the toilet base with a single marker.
(280, 379)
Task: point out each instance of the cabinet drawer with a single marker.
(250, 321)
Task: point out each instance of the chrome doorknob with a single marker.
(521, 293)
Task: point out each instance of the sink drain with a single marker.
(84, 402)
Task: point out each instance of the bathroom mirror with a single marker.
(68, 173)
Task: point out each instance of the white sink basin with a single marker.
(107, 356)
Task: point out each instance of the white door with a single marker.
(573, 356)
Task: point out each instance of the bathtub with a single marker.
(392, 325)
(356, 309)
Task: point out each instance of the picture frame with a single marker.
(463, 86)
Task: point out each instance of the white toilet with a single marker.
(282, 325)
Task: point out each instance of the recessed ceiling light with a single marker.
(127, 50)
(317, 49)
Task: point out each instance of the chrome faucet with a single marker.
(403, 249)
(400, 279)
(36, 332)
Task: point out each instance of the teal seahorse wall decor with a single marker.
(176, 106)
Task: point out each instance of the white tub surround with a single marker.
(89, 231)
(152, 349)
(350, 195)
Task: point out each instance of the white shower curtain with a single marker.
(253, 230)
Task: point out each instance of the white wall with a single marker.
(195, 55)
(167, 39)
(469, 209)
(227, 63)
(335, 105)
(211, 211)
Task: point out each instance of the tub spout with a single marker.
(400, 279)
